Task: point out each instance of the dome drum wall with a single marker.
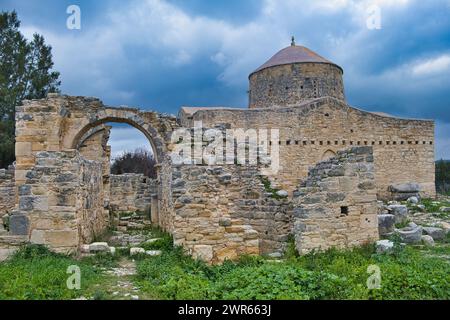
(291, 84)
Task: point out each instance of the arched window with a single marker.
(328, 154)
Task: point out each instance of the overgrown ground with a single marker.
(407, 273)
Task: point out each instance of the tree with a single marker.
(443, 176)
(139, 161)
(25, 73)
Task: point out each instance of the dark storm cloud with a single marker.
(163, 54)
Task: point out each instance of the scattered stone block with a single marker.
(136, 251)
(427, 241)
(435, 233)
(98, 247)
(386, 224)
(384, 246)
(411, 234)
(150, 241)
(413, 200)
(399, 211)
(153, 253)
(404, 191)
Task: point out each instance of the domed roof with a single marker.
(294, 54)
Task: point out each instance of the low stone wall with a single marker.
(61, 202)
(7, 191)
(222, 212)
(131, 192)
(337, 204)
(10, 244)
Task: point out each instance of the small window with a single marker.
(305, 143)
(336, 142)
(296, 142)
(327, 114)
(344, 211)
(321, 143)
(288, 142)
(312, 142)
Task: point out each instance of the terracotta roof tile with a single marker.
(294, 54)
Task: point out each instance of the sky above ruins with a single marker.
(164, 54)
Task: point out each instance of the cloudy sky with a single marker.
(163, 54)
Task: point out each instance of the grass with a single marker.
(432, 205)
(34, 273)
(408, 273)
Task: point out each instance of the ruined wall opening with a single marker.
(129, 168)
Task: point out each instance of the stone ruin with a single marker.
(335, 162)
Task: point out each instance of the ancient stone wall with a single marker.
(10, 244)
(61, 202)
(164, 216)
(131, 192)
(7, 191)
(59, 123)
(336, 206)
(289, 85)
(309, 133)
(94, 146)
(222, 212)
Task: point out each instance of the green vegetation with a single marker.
(403, 224)
(268, 187)
(443, 176)
(408, 273)
(34, 273)
(26, 72)
(432, 205)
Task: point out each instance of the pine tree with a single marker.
(25, 73)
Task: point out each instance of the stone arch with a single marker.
(129, 116)
(328, 154)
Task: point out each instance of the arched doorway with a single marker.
(130, 180)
